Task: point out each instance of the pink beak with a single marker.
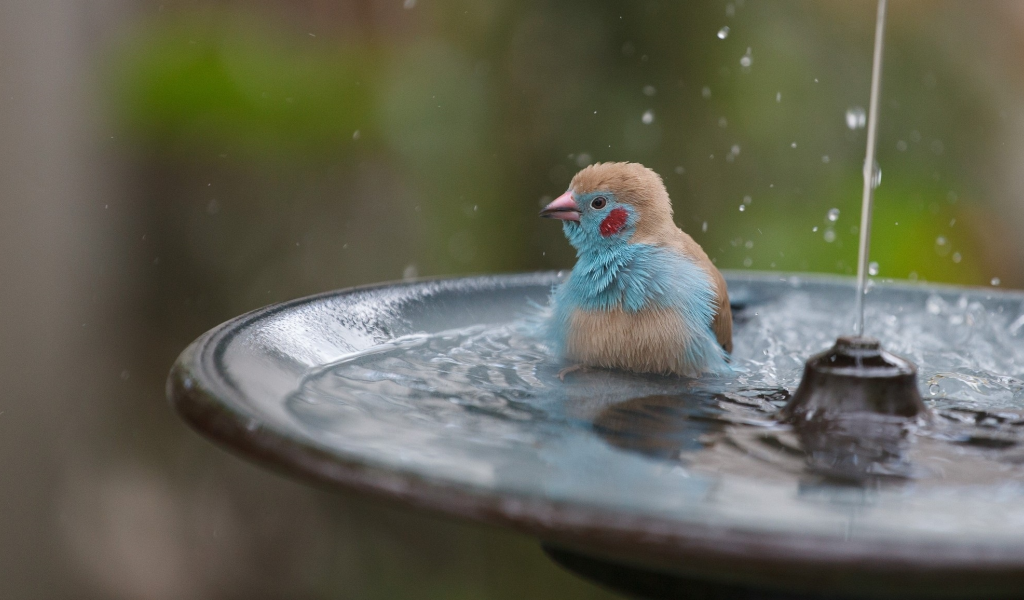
(563, 208)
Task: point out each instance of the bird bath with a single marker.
(440, 395)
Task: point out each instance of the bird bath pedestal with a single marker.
(433, 394)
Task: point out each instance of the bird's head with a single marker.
(608, 204)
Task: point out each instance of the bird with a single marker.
(643, 296)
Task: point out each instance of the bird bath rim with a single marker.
(206, 397)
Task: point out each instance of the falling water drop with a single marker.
(648, 117)
(941, 245)
(830, 235)
(876, 178)
(650, 90)
(704, 227)
(833, 215)
(723, 32)
(746, 60)
(873, 268)
(743, 207)
(995, 281)
(856, 118)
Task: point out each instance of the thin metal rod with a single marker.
(869, 170)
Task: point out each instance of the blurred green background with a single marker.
(165, 166)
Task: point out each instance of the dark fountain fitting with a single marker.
(854, 410)
(856, 376)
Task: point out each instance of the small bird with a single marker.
(643, 296)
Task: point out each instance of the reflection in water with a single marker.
(660, 426)
(857, 448)
(484, 404)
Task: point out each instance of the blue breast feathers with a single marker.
(635, 277)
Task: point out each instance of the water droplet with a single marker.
(356, 134)
(723, 32)
(825, 159)
(705, 92)
(746, 60)
(679, 170)
(778, 96)
(704, 227)
(735, 150)
(856, 118)
(830, 235)
(649, 90)
(934, 389)
(815, 228)
(409, 4)
(582, 159)
(876, 179)
(833, 215)
(730, 10)
(743, 207)
(747, 261)
(747, 200)
(957, 258)
(723, 122)
(941, 245)
(648, 117)
(995, 281)
(410, 272)
(872, 268)
(749, 244)
(793, 145)
(901, 146)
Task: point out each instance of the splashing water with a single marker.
(498, 385)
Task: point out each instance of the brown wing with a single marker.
(722, 325)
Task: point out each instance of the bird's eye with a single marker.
(598, 203)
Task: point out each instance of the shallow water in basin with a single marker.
(493, 392)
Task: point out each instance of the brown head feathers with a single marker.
(634, 184)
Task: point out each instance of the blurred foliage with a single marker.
(475, 112)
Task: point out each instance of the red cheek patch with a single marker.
(614, 222)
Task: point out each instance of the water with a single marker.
(497, 386)
(872, 174)
(856, 118)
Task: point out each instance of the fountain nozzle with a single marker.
(856, 376)
(854, 409)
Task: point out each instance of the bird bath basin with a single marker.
(439, 395)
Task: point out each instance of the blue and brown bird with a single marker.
(643, 296)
